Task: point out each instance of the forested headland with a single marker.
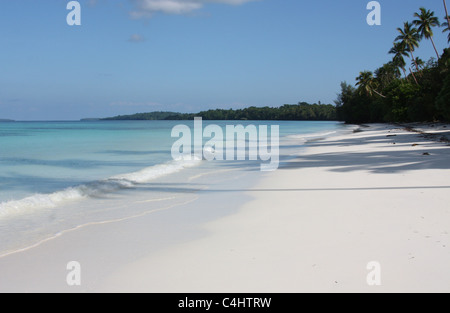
(405, 89)
(295, 112)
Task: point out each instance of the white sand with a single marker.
(313, 225)
(316, 224)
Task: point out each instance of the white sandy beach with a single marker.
(311, 226)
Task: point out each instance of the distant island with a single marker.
(90, 119)
(288, 112)
(5, 120)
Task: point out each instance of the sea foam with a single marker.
(93, 189)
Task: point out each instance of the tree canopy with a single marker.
(385, 96)
(288, 112)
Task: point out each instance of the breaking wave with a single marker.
(93, 189)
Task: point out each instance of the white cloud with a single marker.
(146, 8)
(136, 38)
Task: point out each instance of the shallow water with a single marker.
(57, 176)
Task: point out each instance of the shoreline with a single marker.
(313, 225)
(385, 203)
(39, 217)
(177, 217)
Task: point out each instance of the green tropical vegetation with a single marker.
(396, 92)
(425, 22)
(405, 89)
(295, 112)
(153, 116)
(446, 27)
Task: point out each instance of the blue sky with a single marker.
(133, 56)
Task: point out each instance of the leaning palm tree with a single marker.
(410, 37)
(367, 84)
(414, 76)
(420, 63)
(446, 14)
(425, 22)
(446, 28)
(400, 51)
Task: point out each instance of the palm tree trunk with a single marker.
(414, 77)
(434, 46)
(413, 58)
(446, 14)
(379, 93)
(404, 71)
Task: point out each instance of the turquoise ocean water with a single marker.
(54, 172)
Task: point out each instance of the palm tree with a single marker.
(426, 21)
(400, 51)
(367, 84)
(447, 28)
(410, 37)
(446, 14)
(414, 76)
(420, 63)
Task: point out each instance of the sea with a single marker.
(59, 176)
